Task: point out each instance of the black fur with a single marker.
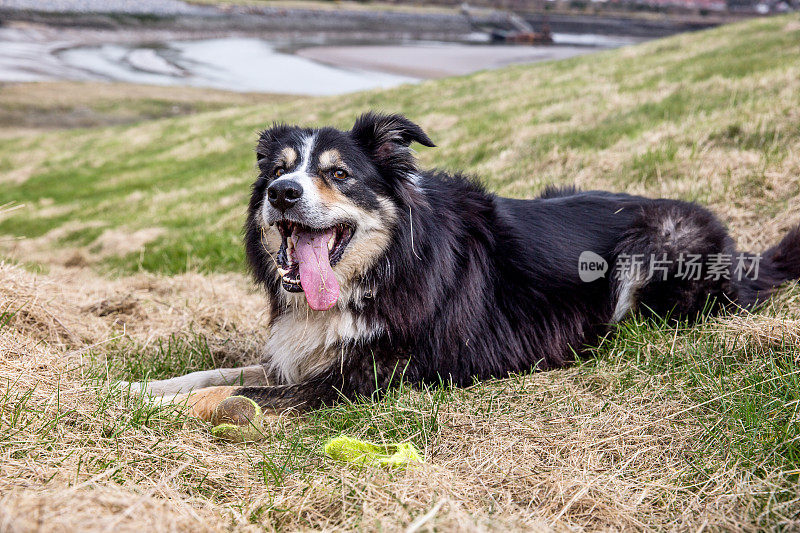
(487, 285)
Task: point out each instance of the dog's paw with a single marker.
(203, 402)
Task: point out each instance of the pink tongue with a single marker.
(316, 274)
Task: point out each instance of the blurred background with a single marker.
(326, 47)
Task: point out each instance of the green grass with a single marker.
(744, 396)
(746, 399)
(169, 357)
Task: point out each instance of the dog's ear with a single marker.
(386, 138)
(269, 136)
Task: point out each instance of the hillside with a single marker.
(711, 117)
(124, 261)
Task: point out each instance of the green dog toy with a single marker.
(361, 452)
(237, 419)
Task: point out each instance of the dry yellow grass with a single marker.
(559, 451)
(27, 108)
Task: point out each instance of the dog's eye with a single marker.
(339, 174)
(280, 171)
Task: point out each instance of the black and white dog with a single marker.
(377, 271)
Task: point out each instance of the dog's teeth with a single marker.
(282, 271)
(331, 241)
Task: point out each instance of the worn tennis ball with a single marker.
(361, 452)
(237, 419)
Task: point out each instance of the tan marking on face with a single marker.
(203, 402)
(288, 157)
(330, 159)
(369, 243)
(332, 196)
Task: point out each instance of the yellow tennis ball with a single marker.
(237, 419)
(361, 452)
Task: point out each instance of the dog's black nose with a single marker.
(283, 194)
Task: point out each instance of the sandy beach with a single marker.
(436, 60)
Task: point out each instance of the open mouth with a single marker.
(306, 259)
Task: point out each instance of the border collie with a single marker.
(377, 271)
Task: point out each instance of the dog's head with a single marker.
(326, 201)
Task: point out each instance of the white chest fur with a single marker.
(303, 343)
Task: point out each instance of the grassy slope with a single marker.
(82, 105)
(666, 427)
(711, 117)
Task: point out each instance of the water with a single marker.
(256, 65)
(239, 64)
(594, 40)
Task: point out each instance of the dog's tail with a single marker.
(777, 265)
(785, 256)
